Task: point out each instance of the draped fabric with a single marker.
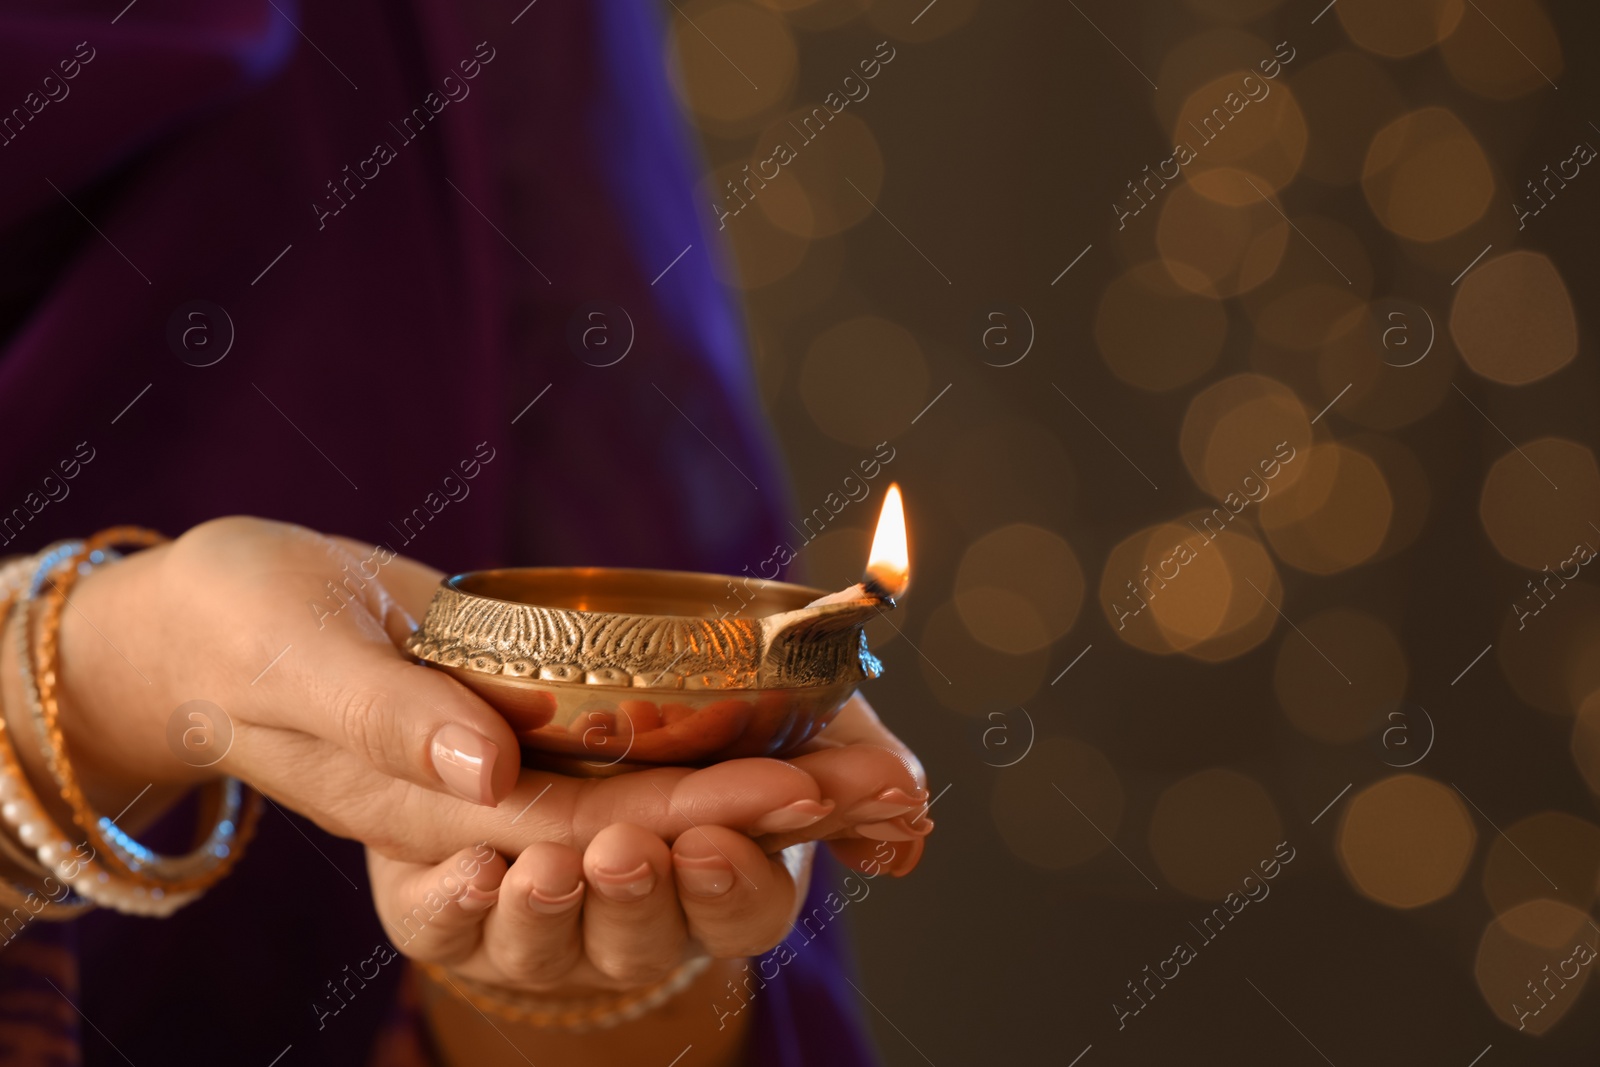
(301, 261)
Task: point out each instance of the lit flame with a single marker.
(889, 563)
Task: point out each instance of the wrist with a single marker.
(108, 710)
(455, 1015)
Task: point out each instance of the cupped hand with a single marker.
(621, 913)
(293, 635)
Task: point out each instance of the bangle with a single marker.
(156, 877)
(577, 1014)
(22, 812)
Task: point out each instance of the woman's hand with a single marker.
(290, 635)
(619, 914)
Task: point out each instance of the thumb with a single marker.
(356, 690)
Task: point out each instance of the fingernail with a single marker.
(464, 760)
(898, 829)
(553, 897)
(625, 885)
(475, 900)
(796, 816)
(704, 876)
(886, 805)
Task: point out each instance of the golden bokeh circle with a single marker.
(1125, 587)
(1538, 501)
(761, 254)
(1552, 854)
(888, 379)
(723, 95)
(1405, 841)
(1549, 645)
(1339, 674)
(1244, 123)
(1153, 333)
(1397, 30)
(802, 169)
(819, 14)
(1019, 588)
(1520, 951)
(1336, 516)
(1253, 587)
(1512, 319)
(1242, 437)
(1220, 249)
(1211, 829)
(1586, 740)
(1426, 176)
(1032, 804)
(1197, 58)
(1482, 59)
(1186, 586)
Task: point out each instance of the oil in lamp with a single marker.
(602, 670)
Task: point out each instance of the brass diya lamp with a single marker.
(602, 670)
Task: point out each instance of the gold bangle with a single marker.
(17, 802)
(578, 1014)
(234, 809)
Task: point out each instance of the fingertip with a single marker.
(742, 792)
(439, 907)
(702, 863)
(872, 858)
(625, 863)
(547, 877)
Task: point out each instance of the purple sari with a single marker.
(301, 263)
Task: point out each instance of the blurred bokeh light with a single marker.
(1396, 30)
(1019, 588)
(1322, 702)
(1406, 841)
(1211, 829)
(1513, 321)
(1483, 58)
(1426, 176)
(1033, 807)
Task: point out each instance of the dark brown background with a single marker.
(992, 148)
